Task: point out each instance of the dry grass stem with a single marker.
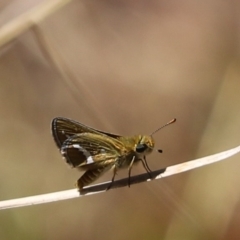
(25, 21)
(99, 188)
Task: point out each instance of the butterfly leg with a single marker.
(145, 165)
(114, 175)
(129, 171)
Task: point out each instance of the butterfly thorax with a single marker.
(134, 150)
(138, 146)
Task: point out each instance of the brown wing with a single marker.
(89, 150)
(64, 128)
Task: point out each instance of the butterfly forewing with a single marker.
(64, 128)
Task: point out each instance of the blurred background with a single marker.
(125, 67)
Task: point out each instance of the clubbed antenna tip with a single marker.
(170, 122)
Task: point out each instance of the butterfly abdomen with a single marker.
(90, 176)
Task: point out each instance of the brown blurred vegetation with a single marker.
(138, 64)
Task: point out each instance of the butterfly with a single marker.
(96, 152)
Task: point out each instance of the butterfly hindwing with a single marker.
(91, 150)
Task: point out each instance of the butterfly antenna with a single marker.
(170, 122)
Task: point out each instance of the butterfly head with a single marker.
(145, 145)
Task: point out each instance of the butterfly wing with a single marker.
(89, 150)
(93, 153)
(64, 128)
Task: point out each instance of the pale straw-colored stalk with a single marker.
(100, 188)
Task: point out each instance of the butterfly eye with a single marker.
(141, 148)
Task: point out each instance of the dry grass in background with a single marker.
(137, 64)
